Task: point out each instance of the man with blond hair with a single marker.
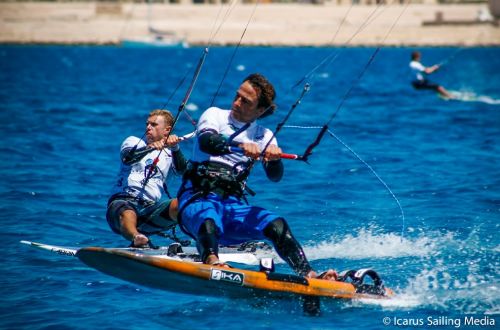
(135, 209)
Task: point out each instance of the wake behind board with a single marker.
(200, 279)
(471, 97)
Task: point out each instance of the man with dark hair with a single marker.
(135, 209)
(421, 72)
(212, 203)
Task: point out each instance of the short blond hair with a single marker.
(167, 116)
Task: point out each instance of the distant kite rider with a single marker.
(135, 209)
(421, 72)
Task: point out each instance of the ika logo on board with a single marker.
(227, 276)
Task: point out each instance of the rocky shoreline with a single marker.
(271, 25)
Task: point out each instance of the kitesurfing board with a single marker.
(190, 277)
(227, 254)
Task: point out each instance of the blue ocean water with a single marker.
(65, 111)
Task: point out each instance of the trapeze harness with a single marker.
(203, 178)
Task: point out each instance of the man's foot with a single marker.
(445, 94)
(329, 275)
(140, 241)
(213, 260)
(446, 97)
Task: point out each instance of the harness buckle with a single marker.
(201, 170)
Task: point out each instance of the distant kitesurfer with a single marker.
(212, 203)
(135, 208)
(421, 72)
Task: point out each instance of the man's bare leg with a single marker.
(128, 228)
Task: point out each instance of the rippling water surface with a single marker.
(65, 111)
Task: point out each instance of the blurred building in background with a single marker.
(493, 3)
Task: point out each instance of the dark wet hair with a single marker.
(266, 92)
(414, 55)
